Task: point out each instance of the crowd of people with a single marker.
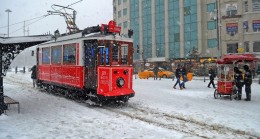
(239, 80)
(180, 71)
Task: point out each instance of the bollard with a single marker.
(23, 69)
(15, 69)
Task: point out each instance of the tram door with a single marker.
(90, 64)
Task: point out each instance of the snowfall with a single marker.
(156, 111)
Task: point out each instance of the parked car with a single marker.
(162, 73)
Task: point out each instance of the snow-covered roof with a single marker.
(24, 39)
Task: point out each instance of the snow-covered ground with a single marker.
(156, 111)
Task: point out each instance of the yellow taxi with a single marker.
(162, 73)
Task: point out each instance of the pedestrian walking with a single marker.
(212, 75)
(155, 71)
(184, 76)
(178, 76)
(239, 82)
(34, 75)
(248, 82)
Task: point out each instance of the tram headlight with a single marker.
(120, 82)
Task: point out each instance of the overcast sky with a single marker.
(89, 13)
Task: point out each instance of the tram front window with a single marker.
(124, 53)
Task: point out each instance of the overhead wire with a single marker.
(29, 24)
(41, 17)
(23, 21)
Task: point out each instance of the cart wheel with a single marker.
(216, 94)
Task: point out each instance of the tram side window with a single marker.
(124, 52)
(69, 54)
(56, 55)
(46, 55)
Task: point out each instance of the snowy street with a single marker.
(156, 111)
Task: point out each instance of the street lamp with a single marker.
(8, 11)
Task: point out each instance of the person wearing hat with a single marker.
(248, 82)
(239, 81)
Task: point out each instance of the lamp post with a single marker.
(8, 11)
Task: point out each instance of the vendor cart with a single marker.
(225, 84)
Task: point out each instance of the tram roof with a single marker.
(91, 36)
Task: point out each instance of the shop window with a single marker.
(232, 48)
(256, 47)
(246, 46)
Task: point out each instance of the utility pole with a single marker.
(23, 28)
(218, 29)
(8, 11)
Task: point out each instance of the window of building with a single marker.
(119, 14)
(246, 46)
(187, 10)
(125, 1)
(177, 37)
(256, 47)
(232, 48)
(212, 43)
(120, 25)
(46, 55)
(211, 7)
(125, 11)
(211, 25)
(231, 9)
(56, 57)
(125, 24)
(245, 6)
(69, 54)
(119, 2)
(255, 5)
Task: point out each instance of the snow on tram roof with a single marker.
(96, 35)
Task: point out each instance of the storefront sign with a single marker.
(256, 24)
(232, 27)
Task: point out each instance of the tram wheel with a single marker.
(216, 95)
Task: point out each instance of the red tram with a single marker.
(95, 63)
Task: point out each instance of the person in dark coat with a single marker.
(178, 76)
(34, 75)
(155, 71)
(212, 75)
(239, 81)
(248, 82)
(184, 76)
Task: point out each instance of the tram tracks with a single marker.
(178, 123)
(161, 119)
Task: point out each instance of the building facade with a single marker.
(240, 26)
(172, 29)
